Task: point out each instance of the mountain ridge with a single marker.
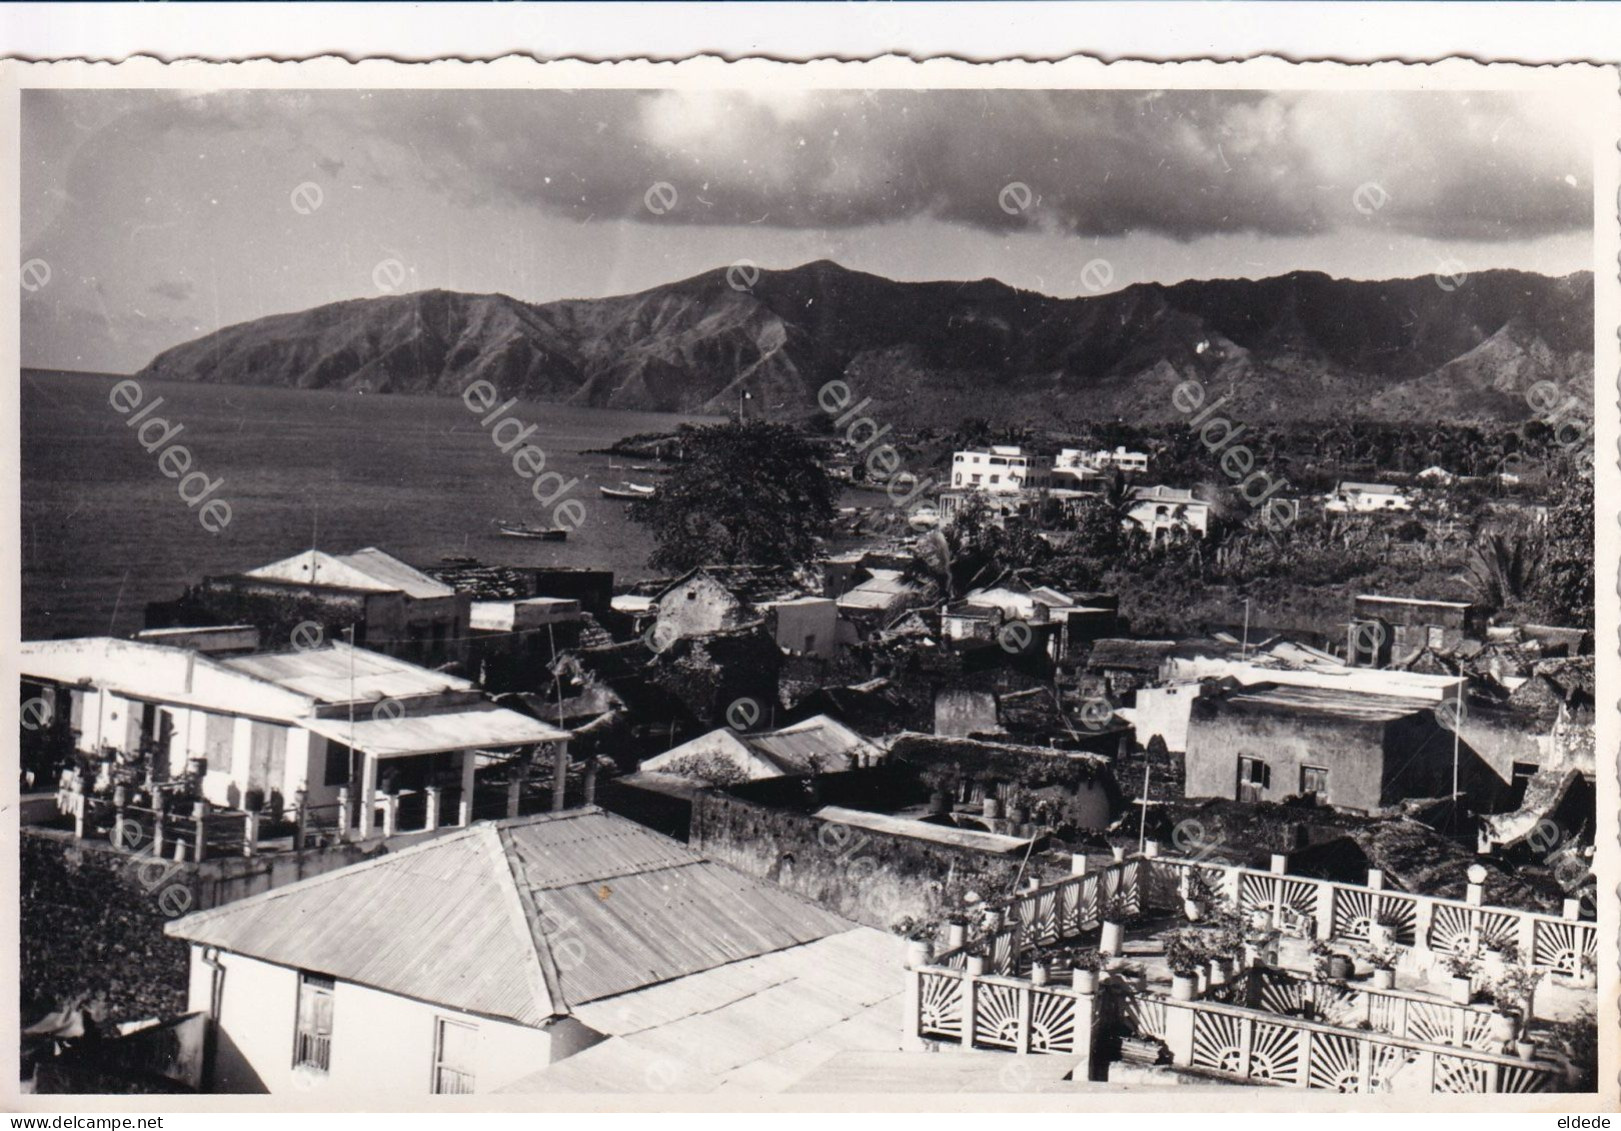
(1302, 345)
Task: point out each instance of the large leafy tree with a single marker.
(751, 493)
(1564, 587)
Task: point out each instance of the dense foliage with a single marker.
(751, 493)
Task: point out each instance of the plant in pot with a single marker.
(1041, 962)
(979, 955)
(1116, 913)
(1512, 997)
(1462, 964)
(1382, 931)
(1383, 959)
(1086, 962)
(1186, 959)
(1197, 898)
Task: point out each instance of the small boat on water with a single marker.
(542, 533)
(628, 491)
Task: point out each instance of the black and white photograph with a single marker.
(775, 583)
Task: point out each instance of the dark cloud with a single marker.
(1184, 164)
(1096, 163)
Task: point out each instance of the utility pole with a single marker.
(1244, 650)
(1142, 821)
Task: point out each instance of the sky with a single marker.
(153, 217)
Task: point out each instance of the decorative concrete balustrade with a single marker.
(1365, 1039)
(1347, 913)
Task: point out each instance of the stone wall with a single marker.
(766, 829)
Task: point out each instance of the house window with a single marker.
(312, 1040)
(810, 642)
(337, 764)
(1254, 778)
(453, 1046)
(1314, 782)
(996, 479)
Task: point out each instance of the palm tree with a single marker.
(1503, 567)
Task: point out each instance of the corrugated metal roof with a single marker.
(756, 1025)
(819, 744)
(438, 921)
(480, 725)
(370, 569)
(522, 919)
(328, 674)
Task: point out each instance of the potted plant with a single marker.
(1383, 959)
(1186, 959)
(1513, 996)
(978, 959)
(1116, 914)
(1462, 964)
(1086, 962)
(1041, 958)
(1382, 931)
(1197, 897)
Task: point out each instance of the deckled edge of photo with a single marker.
(902, 72)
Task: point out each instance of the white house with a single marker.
(1164, 711)
(1162, 510)
(308, 720)
(1119, 459)
(1003, 470)
(1362, 498)
(471, 962)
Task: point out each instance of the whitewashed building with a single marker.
(470, 963)
(310, 722)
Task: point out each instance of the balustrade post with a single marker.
(1246, 1045)
(119, 801)
(1181, 1022)
(917, 957)
(1326, 895)
(79, 805)
(157, 824)
(1527, 940)
(970, 1008)
(1232, 884)
(199, 816)
(1303, 1077)
(250, 834)
(1022, 1042)
(1423, 921)
(514, 792)
(1364, 1065)
(431, 820)
(1077, 864)
(1572, 910)
(391, 813)
(301, 817)
(343, 813)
